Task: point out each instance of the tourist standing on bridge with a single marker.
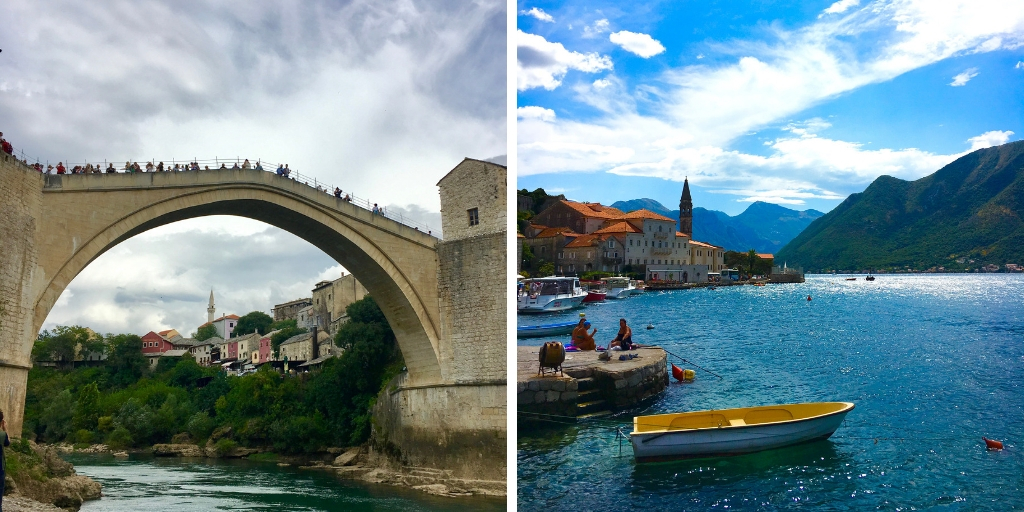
(337, 192)
(258, 166)
(245, 165)
(110, 168)
(6, 146)
(60, 168)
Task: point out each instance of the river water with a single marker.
(171, 484)
(932, 362)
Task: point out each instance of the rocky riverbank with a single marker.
(356, 463)
(37, 477)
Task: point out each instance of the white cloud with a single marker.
(529, 112)
(640, 44)
(599, 27)
(539, 14)
(1020, 65)
(961, 79)
(601, 83)
(989, 139)
(840, 7)
(541, 63)
(695, 114)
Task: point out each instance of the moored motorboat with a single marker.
(550, 294)
(727, 432)
(541, 331)
(638, 287)
(595, 292)
(869, 278)
(617, 287)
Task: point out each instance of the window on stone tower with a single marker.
(474, 216)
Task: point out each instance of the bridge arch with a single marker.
(396, 264)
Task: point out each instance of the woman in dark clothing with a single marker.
(3, 456)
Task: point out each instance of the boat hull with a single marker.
(618, 293)
(554, 305)
(595, 297)
(730, 440)
(541, 331)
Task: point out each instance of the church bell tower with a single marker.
(686, 210)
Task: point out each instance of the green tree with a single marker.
(252, 322)
(527, 255)
(87, 409)
(546, 268)
(125, 360)
(751, 260)
(205, 332)
(283, 324)
(63, 344)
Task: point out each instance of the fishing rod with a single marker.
(685, 360)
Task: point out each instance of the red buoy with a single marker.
(677, 372)
(993, 444)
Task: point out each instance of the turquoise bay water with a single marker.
(171, 484)
(933, 363)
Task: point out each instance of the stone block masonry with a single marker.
(587, 384)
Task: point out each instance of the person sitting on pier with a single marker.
(582, 339)
(624, 340)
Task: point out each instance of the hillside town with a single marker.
(572, 238)
(316, 318)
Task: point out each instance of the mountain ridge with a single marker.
(764, 227)
(965, 215)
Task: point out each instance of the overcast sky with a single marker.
(379, 98)
(794, 102)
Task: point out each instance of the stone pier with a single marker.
(587, 386)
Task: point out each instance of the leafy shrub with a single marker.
(225, 446)
(120, 437)
(200, 426)
(83, 436)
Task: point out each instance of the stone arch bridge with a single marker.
(57, 224)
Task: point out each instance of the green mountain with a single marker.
(964, 216)
(764, 227)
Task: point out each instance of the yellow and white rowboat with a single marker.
(733, 431)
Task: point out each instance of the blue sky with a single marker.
(795, 103)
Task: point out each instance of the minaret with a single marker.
(211, 309)
(686, 210)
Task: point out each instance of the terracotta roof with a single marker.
(520, 235)
(596, 210)
(645, 214)
(588, 240)
(550, 232)
(681, 234)
(619, 227)
(583, 241)
(766, 256)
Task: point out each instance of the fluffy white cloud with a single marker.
(840, 7)
(1020, 65)
(689, 122)
(529, 112)
(539, 14)
(989, 139)
(961, 79)
(596, 29)
(641, 44)
(541, 63)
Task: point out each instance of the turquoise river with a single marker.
(932, 362)
(171, 484)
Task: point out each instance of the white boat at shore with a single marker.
(550, 294)
(635, 287)
(618, 287)
(728, 432)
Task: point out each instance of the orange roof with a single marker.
(766, 256)
(588, 240)
(520, 235)
(680, 233)
(596, 210)
(550, 232)
(645, 214)
(164, 333)
(619, 227)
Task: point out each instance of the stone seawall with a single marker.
(588, 386)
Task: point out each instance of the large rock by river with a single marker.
(39, 473)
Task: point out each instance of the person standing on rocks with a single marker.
(3, 457)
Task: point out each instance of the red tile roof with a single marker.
(550, 232)
(596, 210)
(645, 214)
(584, 241)
(766, 256)
(619, 227)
